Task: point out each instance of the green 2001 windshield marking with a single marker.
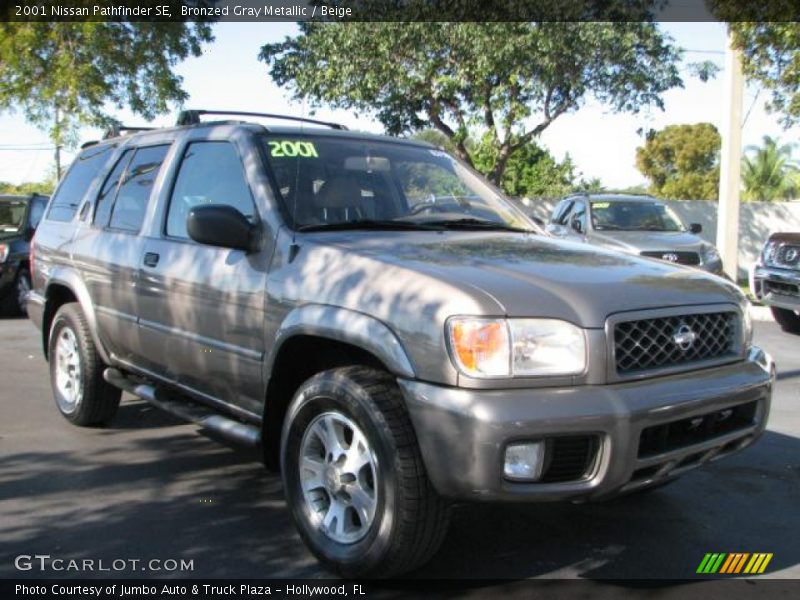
(290, 149)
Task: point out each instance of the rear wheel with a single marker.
(82, 396)
(788, 319)
(354, 478)
(22, 289)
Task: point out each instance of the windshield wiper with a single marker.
(482, 224)
(373, 224)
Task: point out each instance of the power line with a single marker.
(11, 149)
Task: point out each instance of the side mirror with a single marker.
(696, 228)
(576, 225)
(220, 225)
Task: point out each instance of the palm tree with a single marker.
(768, 173)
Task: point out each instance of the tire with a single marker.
(789, 320)
(22, 286)
(402, 520)
(81, 394)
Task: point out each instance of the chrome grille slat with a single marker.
(644, 344)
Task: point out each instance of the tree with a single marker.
(27, 188)
(771, 56)
(768, 35)
(509, 79)
(682, 161)
(768, 174)
(64, 74)
(530, 170)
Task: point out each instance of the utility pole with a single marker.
(731, 161)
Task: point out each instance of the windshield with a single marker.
(11, 215)
(327, 183)
(634, 216)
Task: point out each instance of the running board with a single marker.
(242, 433)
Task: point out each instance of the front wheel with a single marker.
(354, 477)
(82, 396)
(789, 320)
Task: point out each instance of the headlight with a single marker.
(3, 252)
(747, 324)
(768, 254)
(516, 347)
(711, 254)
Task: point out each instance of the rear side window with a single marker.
(210, 173)
(105, 199)
(77, 181)
(133, 194)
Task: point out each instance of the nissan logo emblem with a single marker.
(684, 337)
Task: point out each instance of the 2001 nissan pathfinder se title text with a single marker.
(392, 331)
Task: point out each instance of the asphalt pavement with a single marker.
(151, 489)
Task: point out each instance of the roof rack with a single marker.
(116, 130)
(192, 117)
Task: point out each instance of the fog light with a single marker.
(524, 461)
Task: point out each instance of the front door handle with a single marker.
(151, 259)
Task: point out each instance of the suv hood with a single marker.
(642, 241)
(527, 275)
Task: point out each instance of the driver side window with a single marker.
(210, 173)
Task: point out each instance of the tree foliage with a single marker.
(771, 56)
(768, 34)
(76, 69)
(27, 188)
(682, 161)
(768, 173)
(511, 80)
(530, 170)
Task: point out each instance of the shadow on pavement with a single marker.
(184, 496)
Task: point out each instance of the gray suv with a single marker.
(636, 224)
(391, 331)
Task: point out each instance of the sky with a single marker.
(602, 144)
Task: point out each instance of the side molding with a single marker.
(347, 326)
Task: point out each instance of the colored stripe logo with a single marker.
(734, 563)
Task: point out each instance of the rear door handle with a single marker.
(151, 259)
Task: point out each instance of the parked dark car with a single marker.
(636, 224)
(392, 331)
(775, 279)
(19, 216)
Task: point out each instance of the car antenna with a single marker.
(294, 247)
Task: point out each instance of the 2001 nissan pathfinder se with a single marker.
(393, 332)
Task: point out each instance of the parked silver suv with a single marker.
(386, 325)
(636, 224)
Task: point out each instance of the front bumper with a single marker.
(463, 433)
(776, 287)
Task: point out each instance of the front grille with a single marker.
(682, 258)
(782, 289)
(672, 341)
(569, 458)
(695, 430)
(787, 256)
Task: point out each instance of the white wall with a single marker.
(757, 220)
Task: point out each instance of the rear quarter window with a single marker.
(76, 182)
